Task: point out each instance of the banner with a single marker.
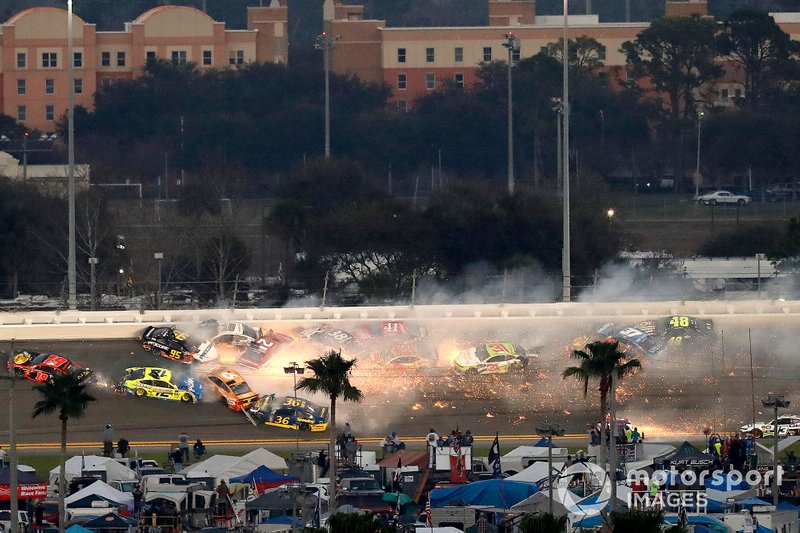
(24, 492)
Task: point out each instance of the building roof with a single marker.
(141, 19)
(25, 12)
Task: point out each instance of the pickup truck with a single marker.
(5, 520)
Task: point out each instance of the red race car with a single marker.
(42, 367)
(260, 351)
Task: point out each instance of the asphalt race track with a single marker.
(682, 391)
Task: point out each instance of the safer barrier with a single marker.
(77, 325)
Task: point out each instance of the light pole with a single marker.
(12, 442)
(72, 299)
(697, 164)
(565, 257)
(295, 369)
(511, 44)
(558, 108)
(158, 256)
(548, 431)
(92, 265)
(326, 44)
(759, 258)
(775, 401)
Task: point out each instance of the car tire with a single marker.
(141, 393)
(186, 398)
(712, 202)
(740, 201)
(757, 433)
(304, 426)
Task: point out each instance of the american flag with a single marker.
(398, 483)
(428, 517)
(457, 453)
(494, 457)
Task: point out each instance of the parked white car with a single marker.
(723, 197)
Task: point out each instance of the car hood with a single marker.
(468, 357)
(206, 352)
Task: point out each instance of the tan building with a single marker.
(33, 49)
(414, 61)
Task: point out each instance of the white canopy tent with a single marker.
(228, 466)
(103, 490)
(76, 466)
(536, 472)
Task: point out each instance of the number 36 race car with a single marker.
(290, 413)
(42, 368)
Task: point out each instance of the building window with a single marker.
(724, 94)
(236, 57)
(401, 55)
(22, 60)
(78, 86)
(738, 93)
(77, 59)
(402, 105)
(179, 57)
(515, 54)
(49, 60)
(459, 79)
(150, 55)
(49, 86)
(601, 53)
(120, 59)
(430, 80)
(21, 86)
(206, 57)
(22, 112)
(487, 53)
(105, 59)
(401, 81)
(49, 112)
(459, 54)
(430, 55)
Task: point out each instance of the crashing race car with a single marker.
(170, 342)
(151, 382)
(787, 425)
(290, 412)
(415, 353)
(42, 367)
(234, 389)
(396, 345)
(237, 335)
(679, 329)
(260, 351)
(630, 339)
(492, 358)
(332, 338)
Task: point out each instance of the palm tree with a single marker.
(67, 395)
(600, 360)
(332, 377)
(636, 521)
(543, 523)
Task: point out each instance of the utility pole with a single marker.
(511, 44)
(775, 401)
(72, 282)
(326, 44)
(565, 257)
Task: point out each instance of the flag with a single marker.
(457, 453)
(683, 520)
(428, 517)
(494, 456)
(398, 483)
(317, 508)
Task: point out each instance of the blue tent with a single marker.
(75, 528)
(716, 507)
(751, 502)
(708, 522)
(544, 443)
(284, 520)
(786, 506)
(264, 476)
(723, 482)
(491, 492)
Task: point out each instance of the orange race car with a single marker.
(233, 389)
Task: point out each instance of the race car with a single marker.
(233, 389)
(415, 353)
(333, 338)
(787, 425)
(237, 335)
(170, 342)
(290, 412)
(260, 351)
(42, 367)
(492, 358)
(678, 330)
(631, 339)
(151, 382)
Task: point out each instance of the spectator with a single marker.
(468, 438)
(177, 459)
(183, 444)
(223, 495)
(350, 448)
(432, 440)
(2, 458)
(397, 443)
(108, 441)
(635, 436)
(38, 514)
(137, 499)
(323, 463)
(199, 449)
(387, 445)
(791, 462)
(348, 431)
(123, 447)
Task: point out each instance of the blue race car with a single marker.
(290, 412)
(632, 339)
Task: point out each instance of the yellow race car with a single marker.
(144, 382)
(290, 412)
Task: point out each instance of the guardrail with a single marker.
(84, 325)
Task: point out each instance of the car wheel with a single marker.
(712, 202)
(740, 201)
(757, 433)
(304, 426)
(186, 398)
(141, 393)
